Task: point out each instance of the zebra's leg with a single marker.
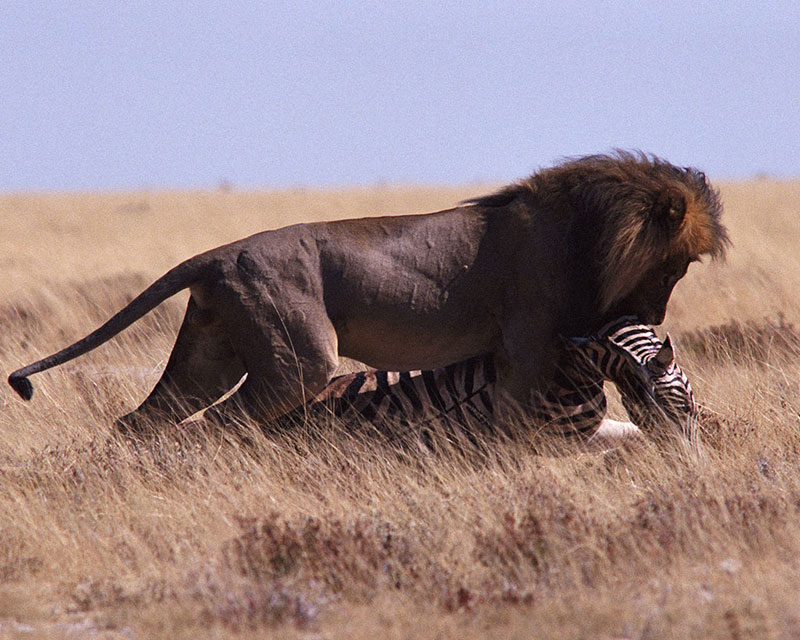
(611, 434)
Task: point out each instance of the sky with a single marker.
(148, 95)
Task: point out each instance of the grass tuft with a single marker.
(315, 532)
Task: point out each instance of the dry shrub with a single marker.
(257, 605)
(358, 556)
(753, 341)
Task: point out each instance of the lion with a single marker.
(562, 252)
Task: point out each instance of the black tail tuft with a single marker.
(21, 385)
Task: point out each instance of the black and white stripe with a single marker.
(630, 355)
(461, 392)
(667, 396)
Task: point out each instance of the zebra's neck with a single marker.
(637, 339)
(609, 353)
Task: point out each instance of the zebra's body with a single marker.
(461, 393)
(653, 388)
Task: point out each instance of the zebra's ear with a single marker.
(573, 342)
(665, 356)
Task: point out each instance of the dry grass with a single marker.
(342, 536)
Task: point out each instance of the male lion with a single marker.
(566, 250)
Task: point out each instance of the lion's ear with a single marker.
(673, 209)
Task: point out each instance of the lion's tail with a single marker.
(175, 280)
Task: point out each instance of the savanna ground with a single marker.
(338, 536)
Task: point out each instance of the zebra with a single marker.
(654, 390)
(669, 398)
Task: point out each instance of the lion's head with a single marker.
(636, 222)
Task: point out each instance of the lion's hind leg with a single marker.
(290, 357)
(203, 366)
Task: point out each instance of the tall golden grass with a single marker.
(341, 536)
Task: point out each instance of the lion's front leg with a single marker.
(526, 359)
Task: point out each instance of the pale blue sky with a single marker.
(108, 95)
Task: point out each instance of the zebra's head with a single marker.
(654, 389)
